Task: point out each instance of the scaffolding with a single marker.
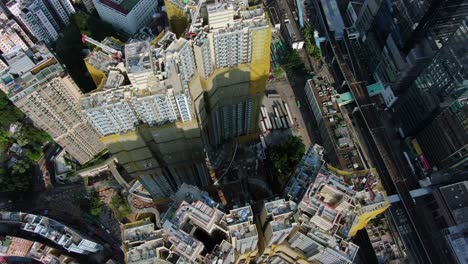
(99, 77)
(178, 21)
(368, 214)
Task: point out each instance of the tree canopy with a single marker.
(285, 158)
(293, 62)
(18, 179)
(8, 112)
(31, 135)
(121, 209)
(95, 204)
(310, 45)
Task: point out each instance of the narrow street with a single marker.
(297, 81)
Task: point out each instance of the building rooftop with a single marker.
(101, 60)
(328, 102)
(219, 6)
(141, 241)
(28, 69)
(280, 207)
(456, 197)
(122, 6)
(114, 80)
(52, 230)
(333, 17)
(222, 252)
(239, 215)
(118, 95)
(457, 238)
(183, 243)
(138, 57)
(305, 173)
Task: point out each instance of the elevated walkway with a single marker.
(414, 194)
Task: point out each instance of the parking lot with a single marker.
(299, 128)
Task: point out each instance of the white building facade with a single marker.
(129, 16)
(39, 16)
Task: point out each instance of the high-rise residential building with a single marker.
(89, 5)
(14, 7)
(12, 36)
(3, 66)
(63, 9)
(277, 215)
(42, 18)
(53, 231)
(37, 84)
(149, 125)
(186, 97)
(127, 15)
(233, 66)
(318, 228)
(37, 18)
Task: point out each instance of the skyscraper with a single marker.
(444, 141)
(63, 9)
(186, 97)
(233, 65)
(318, 228)
(38, 86)
(440, 82)
(40, 17)
(149, 125)
(127, 15)
(403, 36)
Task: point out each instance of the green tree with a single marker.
(30, 134)
(21, 167)
(17, 180)
(293, 62)
(278, 72)
(96, 205)
(34, 153)
(121, 209)
(4, 139)
(285, 158)
(8, 112)
(310, 45)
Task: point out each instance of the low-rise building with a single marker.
(336, 136)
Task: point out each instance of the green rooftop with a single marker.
(128, 4)
(346, 98)
(375, 88)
